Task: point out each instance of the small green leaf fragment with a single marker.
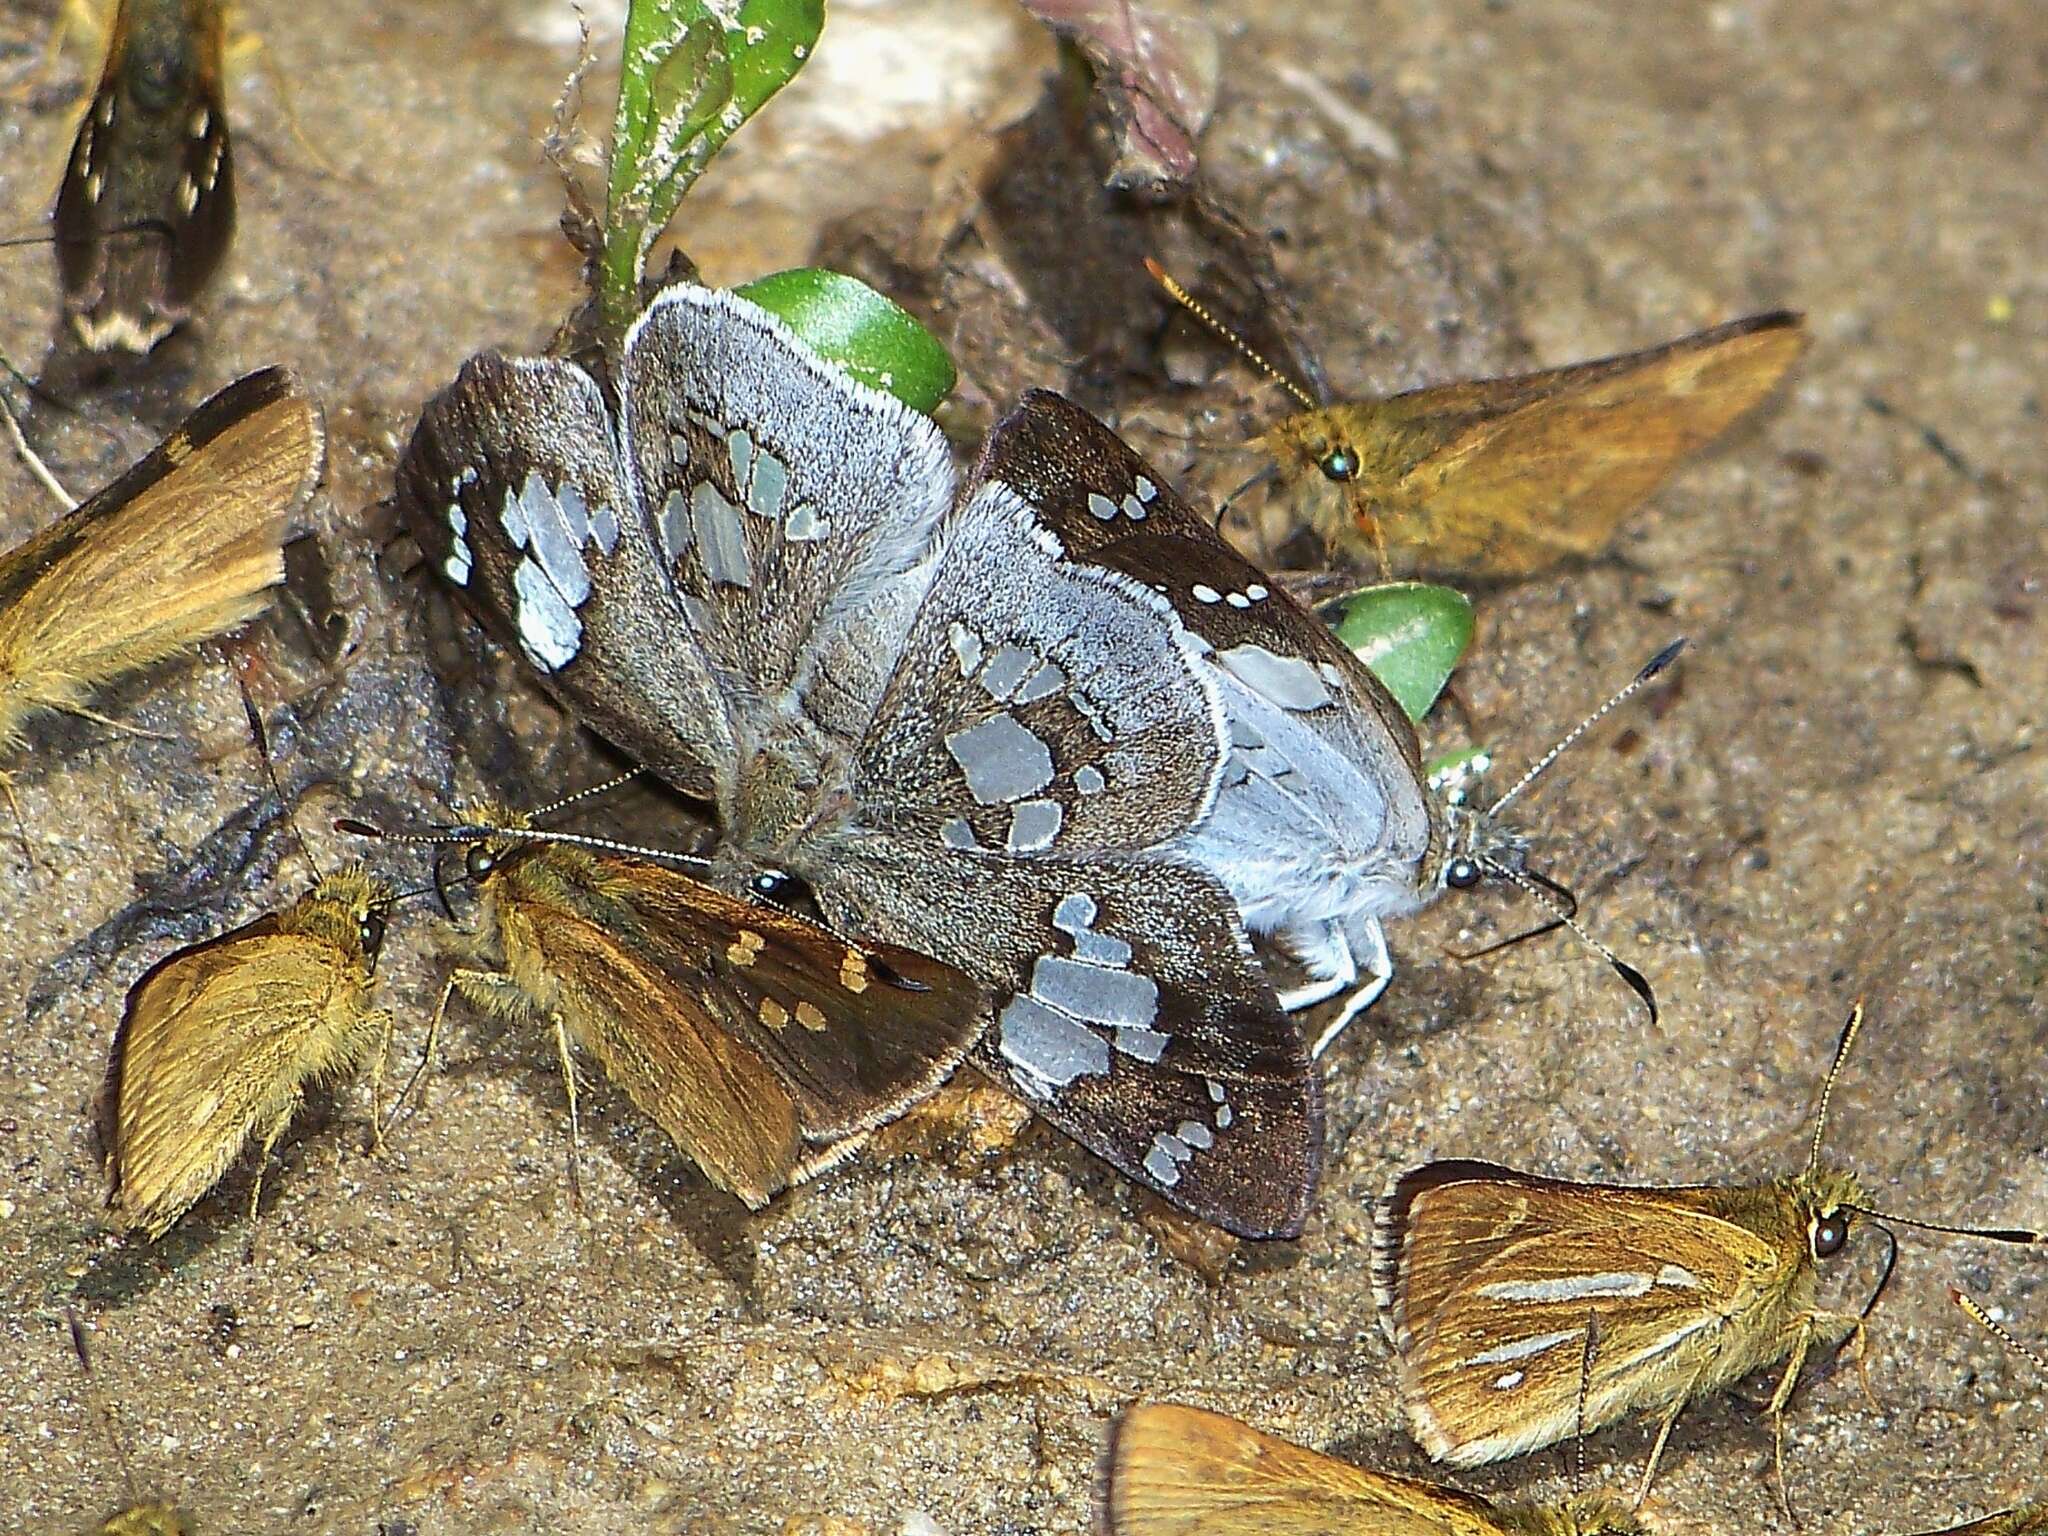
(872, 337)
(1410, 633)
(691, 75)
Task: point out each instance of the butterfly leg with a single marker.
(575, 1124)
(272, 1134)
(1379, 970)
(1327, 957)
(390, 1023)
(1802, 1341)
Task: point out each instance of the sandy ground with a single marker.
(1841, 792)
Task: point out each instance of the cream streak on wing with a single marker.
(1521, 1349)
(1569, 1287)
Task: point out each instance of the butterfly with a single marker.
(1503, 478)
(1485, 1279)
(183, 547)
(1174, 1471)
(760, 580)
(147, 205)
(221, 1040)
(1326, 826)
(763, 1045)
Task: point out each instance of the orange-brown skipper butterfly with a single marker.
(1506, 477)
(1485, 1279)
(763, 1044)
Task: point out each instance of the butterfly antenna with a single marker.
(1635, 685)
(2024, 1237)
(101, 1406)
(587, 794)
(476, 833)
(1827, 1088)
(262, 739)
(1224, 333)
(1561, 917)
(31, 458)
(1984, 1319)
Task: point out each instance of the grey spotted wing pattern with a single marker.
(1007, 798)
(1323, 813)
(517, 496)
(792, 513)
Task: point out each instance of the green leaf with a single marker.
(690, 76)
(1411, 635)
(873, 338)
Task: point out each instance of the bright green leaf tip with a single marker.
(1411, 634)
(872, 337)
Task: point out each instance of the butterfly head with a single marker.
(1599, 1513)
(1593, 1513)
(1829, 1202)
(347, 909)
(1473, 842)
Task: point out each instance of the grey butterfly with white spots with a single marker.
(1325, 826)
(760, 579)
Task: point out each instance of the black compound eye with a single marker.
(371, 932)
(1830, 1232)
(1461, 874)
(777, 885)
(479, 861)
(1339, 464)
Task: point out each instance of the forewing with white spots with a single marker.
(515, 493)
(791, 512)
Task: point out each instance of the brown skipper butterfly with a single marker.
(1485, 1279)
(1175, 1471)
(147, 205)
(764, 1045)
(1503, 478)
(183, 547)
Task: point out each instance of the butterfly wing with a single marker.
(1506, 477)
(147, 205)
(1175, 1471)
(217, 1042)
(748, 1034)
(1016, 801)
(181, 548)
(1485, 1278)
(792, 512)
(1324, 778)
(514, 488)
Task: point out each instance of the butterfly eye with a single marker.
(1339, 464)
(479, 861)
(1461, 874)
(778, 886)
(371, 932)
(1829, 1233)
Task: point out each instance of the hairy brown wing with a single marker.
(182, 547)
(1552, 475)
(216, 1041)
(1485, 1278)
(746, 1032)
(1175, 1471)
